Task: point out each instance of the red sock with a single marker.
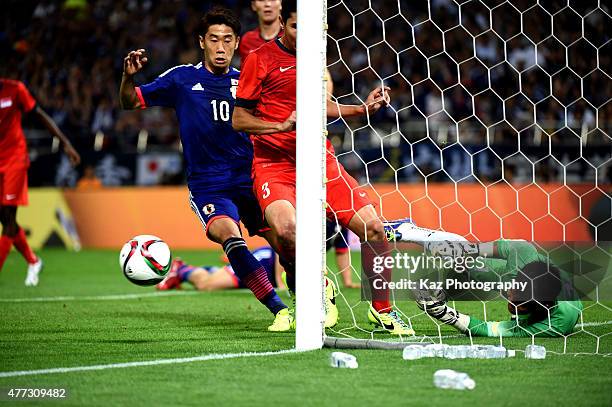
(382, 306)
(22, 245)
(5, 247)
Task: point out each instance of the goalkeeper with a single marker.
(543, 309)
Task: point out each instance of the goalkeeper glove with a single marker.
(435, 306)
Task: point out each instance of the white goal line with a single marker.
(111, 297)
(203, 358)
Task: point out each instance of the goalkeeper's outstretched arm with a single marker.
(438, 242)
(410, 233)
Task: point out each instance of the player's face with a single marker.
(290, 27)
(267, 10)
(219, 45)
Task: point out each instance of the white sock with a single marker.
(415, 234)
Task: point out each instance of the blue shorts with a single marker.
(238, 204)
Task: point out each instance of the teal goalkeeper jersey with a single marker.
(514, 255)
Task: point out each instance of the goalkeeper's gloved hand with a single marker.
(434, 304)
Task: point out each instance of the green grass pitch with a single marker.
(41, 334)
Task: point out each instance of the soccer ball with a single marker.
(145, 259)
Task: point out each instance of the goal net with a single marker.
(498, 128)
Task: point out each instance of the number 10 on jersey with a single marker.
(221, 110)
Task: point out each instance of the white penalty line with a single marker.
(99, 297)
(203, 358)
(587, 324)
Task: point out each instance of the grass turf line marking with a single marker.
(203, 358)
(99, 297)
(586, 324)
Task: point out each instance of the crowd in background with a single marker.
(458, 73)
(477, 64)
(70, 54)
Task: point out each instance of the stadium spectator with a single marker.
(89, 180)
(268, 27)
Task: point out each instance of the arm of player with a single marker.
(244, 120)
(511, 248)
(132, 64)
(48, 122)
(514, 328)
(377, 98)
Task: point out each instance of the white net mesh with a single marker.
(498, 128)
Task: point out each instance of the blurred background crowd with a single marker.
(474, 96)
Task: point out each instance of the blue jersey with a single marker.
(216, 156)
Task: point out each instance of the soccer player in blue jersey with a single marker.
(218, 159)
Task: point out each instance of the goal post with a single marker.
(310, 174)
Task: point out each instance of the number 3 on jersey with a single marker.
(221, 110)
(265, 189)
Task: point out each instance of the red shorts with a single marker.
(276, 181)
(14, 187)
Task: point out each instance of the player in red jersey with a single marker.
(269, 26)
(15, 100)
(265, 108)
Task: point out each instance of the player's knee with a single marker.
(221, 229)
(375, 230)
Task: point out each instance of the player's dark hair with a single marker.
(288, 7)
(219, 15)
(542, 289)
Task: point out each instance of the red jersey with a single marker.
(267, 85)
(249, 42)
(14, 101)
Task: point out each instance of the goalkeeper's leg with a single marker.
(405, 230)
(436, 242)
